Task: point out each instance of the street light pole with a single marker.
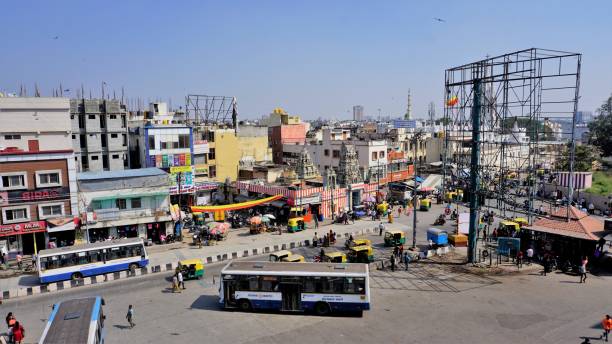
(415, 140)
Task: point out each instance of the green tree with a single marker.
(585, 156)
(600, 130)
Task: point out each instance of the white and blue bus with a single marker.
(75, 321)
(319, 287)
(74, 262)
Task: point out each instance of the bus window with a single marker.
(94, 256)
(81, 258)
(336, 285)
(268, 283)
(52, 262)
(113, 253)
(354, 286)
(309, 285)
(138, 250)
(66, 260)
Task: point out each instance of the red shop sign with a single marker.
(23, 228)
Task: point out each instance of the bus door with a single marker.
(291, 289)
(229, 291)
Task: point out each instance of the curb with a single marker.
(153, 269)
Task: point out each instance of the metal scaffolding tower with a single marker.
(207, 110)
(498, 118)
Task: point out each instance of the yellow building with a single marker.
(228, 149)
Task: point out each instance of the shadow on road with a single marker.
(122, 327)
(206, 302)
(29, 280)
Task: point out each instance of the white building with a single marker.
(35, 123)
(128, 203)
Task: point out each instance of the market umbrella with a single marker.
(270, 216)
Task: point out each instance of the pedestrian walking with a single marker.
(606, 323)
(316, 220)
(399, 212)
(406, 260)
(381, 228)
(546, 265)
(395, 251)
(582, 269)
(529, 255)
(181, 282)
(18, 333)
(280, 230)
(401, 250)
(315, 240)
(19, 260)
(393, 263)
(175, 286)
(130, 316)
(519, 259)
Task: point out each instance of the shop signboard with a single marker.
(200, 147)
(312, 199)
(37, 195)
(186, 175)
(23, 228)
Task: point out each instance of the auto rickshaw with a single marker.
(395, 237)
(382, 208)
(361, 254)
(450, 196)
(506, 228)
(358, 242)
(198, 218)
(280, 255)
(294, 258)
(425, 204)
(191, 268)
(334, 257)
(521, 221)
(296, 224)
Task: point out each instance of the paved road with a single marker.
(431, 303)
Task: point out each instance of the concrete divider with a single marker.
(152, 269)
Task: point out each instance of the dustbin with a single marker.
(321, 217)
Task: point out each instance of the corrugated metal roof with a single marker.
(141, 172)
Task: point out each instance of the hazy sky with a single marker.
(313, 58)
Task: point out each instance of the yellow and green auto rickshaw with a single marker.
(450, 196)
(198, 218)
(395, 238)
(506, 228)
(334, 257)
(361, 254)
(280, 255)
(521, 221)
(296, 224)
(382, 208)
(425, 204)
(357, 242)
(191, 268)
(294, 258)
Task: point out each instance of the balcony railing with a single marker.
(117, 214)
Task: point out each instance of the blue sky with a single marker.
(313, 58)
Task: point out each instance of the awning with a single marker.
(278, 204)
(60, 224)
(234, 206)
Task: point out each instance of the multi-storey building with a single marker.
(125, 204)
(37, 175)
(99, 134)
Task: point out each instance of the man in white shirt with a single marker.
(181, 283)
(529, 255)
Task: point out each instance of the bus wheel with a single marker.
(133, 268)
(244, 305)
(76, 276)
(321, 308)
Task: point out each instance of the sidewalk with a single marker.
(239, 244)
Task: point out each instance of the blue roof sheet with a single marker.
(141, 172)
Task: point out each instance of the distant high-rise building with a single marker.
(583, 117)
(358, 113)
(408, 114)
